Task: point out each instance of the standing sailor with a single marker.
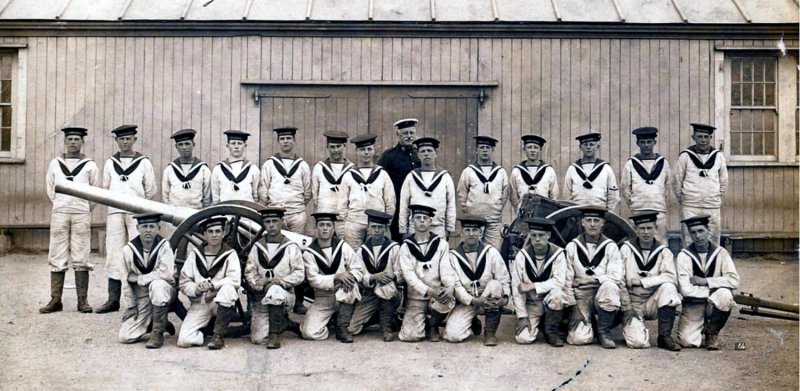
(707, 278)
(701, 179)
(126, 172)
(430, 186)
(149, 283)
(538, 278)
(327, 176)
(652, 284)
(70, 221)
(398, 161)
(235, 178)
(286, 183)
(590, 180)
(483, 190)
(533, 175)
(480, 281)
(367, 186)
(645, 180)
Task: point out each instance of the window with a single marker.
(758, 108)
(754, 113)
(12, 98)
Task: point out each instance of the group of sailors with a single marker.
(381, 229)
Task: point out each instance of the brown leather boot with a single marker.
(114, 292)
(56, 288)
(159, 326)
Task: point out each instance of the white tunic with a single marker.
(471, 276)
(155, 263)
(434, 189)
(187, 185)
(717, 268)
(656, 265)
(429, 268)
(132, 176)
(603, 259)
(547, 275)
(700, 179)
(366, 189)
(591, 184)
(530, 180)
(483, 191)
(326, 182)
(321, 267)
(648, 191)
(282, 261)
(237, 180)
(286, 183)
(81, 170)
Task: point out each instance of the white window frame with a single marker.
(19, 79)
(786, 103)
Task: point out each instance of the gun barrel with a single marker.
(128, 203)
(757, 302)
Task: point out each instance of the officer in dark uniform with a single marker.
(398, 161)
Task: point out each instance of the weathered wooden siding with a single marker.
(556, 87)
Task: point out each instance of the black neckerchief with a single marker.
(287, 175)
(194, 169)
(327, 172)
(370, 263)
(703, 166)
(70, 175)
(711, 260)
(650, 262)
(359, 178)
(226, 169)
(596, 170)
(651, 176)
(416, 174)
(583, 251)
(124, 173)
(546, 269)
(484, 180)
(463, 262)
(416, 252)
(271, 263)
(220, 260)
(142, 265)
(526, 175)
(319, 256)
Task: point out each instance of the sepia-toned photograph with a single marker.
(399, 195)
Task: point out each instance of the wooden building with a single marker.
(464, 67)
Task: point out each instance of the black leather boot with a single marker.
(386, 319)
(492, 323)
(56, 289)
(82, 288)
(716, 322)
(436, 320)
(114, 292)
(224, 316)
(276, 326)
(666, 319)
(159, 326)
(345, 312)
(605, 321)
(552, 320)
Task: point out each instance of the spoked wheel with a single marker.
(243, 230)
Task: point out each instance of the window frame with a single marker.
(19, 78)
(785, 103)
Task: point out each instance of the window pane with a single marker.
(5, 66)
(5, 116)
(736, 94)
(747, 143)
(758, 69)
(769, 94)
(769, 69)
(5, 139)
(736, 143)
(769, 143)
(5, 91)
(758, 94)
(747, 94)
(747, 70)
(758, 143)
(736, 70)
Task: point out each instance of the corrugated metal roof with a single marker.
(627, 11)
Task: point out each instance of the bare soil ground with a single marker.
(69, 350)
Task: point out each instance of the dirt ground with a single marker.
(69, 350)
